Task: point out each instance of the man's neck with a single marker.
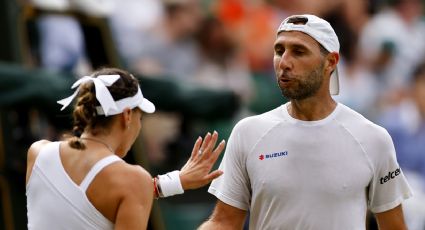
(311, 109)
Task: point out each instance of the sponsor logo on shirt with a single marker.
(273, 155)
(391, 175)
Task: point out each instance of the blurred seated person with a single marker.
(131, 21)
(222, 65)
(393, 40)
(61, 38)
(169, 49)
(406, 124)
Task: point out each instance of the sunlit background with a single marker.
(205, 64)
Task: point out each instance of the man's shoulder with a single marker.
(359, 125)
(349, 115)
(265, 119)
(253, 127)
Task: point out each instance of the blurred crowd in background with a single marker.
(228, 45)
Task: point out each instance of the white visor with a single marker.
(130, 102)
(108, 106)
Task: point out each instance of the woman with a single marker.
(82, 182)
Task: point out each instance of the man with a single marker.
(311, 163)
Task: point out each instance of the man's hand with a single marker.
(196, 172)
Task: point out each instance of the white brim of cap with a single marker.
(147, 106)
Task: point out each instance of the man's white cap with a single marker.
(321, 31)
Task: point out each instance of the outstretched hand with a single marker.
(196, 172)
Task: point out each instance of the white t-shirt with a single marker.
(293, 174)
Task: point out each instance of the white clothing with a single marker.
(90, 7)
(54, 201)
(131, 21)
(407, 39)
(293, 174)
(62, 45)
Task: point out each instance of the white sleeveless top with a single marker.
(54, 201)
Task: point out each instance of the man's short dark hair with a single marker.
(323, 51)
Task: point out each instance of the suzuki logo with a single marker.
(273, 155)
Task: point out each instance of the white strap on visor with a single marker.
(102, 93)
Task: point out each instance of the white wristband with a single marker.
(170, 184)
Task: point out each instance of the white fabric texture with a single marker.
(54, 201)
(325, 174)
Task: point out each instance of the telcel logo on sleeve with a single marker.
(391, 175)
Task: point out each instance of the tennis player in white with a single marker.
(311, 163)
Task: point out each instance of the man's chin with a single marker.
(292, 95)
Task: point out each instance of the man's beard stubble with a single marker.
(307, 85)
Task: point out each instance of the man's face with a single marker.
(299, 65)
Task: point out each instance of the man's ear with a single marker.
(332, 60)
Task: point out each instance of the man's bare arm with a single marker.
(391, 220)
(224, 217)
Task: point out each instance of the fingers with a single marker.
(206, 141)
(217, 151)
(210, 161)
(198, 168)
(196, 148)
(200, 146)
(213, 175)
(210, 145)
(206, 150)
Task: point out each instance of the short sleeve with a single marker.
(389, 186)
(233, 187)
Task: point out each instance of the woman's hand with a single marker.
(196, 172)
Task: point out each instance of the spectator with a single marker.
(222, 66)
(169, 49)
(406, 124)
(62, 43)
(392, 42)
(131, 21)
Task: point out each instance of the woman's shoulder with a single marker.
(32, 154)
(38, 145)
(35, 149)
(127, 177)
(125, 184)
(120, 186)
